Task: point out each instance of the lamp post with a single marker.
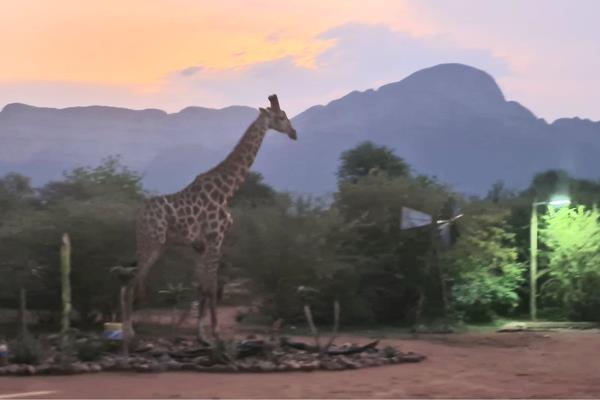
(533, 248)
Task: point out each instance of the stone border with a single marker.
(309, 362)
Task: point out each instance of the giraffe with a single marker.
(198, 217)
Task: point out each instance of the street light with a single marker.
(556, 202)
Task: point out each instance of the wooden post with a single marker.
(434, 261)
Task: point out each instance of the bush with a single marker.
(25, 350)
(483, 267)
(90, 349)
(572, 236)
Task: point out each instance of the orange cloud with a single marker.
(137, 42)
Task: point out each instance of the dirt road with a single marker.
(507, 365)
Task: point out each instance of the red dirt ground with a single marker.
(475, 365)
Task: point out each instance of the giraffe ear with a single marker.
(263, 110)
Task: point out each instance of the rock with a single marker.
(219, 368)
(348, 363)
(44, 369)
(108, 363)
(164, 358)
(332, 365)
(266, 366)
(122, 364)
(57, 369)
(376, 362)
(310, 366)
(95, 367)
(369, 362)
(158, 351)
(173, 365)
(201, 360)
(143, 347)
(157, 367)
(13, 369)
(188, 366)
(142, 368)
(27, 370)
(292, 365)
(79, 367)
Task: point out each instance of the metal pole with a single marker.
(533, 259)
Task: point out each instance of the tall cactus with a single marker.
(65, 272)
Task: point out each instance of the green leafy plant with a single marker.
(572, 278)
(484, 268)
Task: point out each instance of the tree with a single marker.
(485, 274)
(390, 265)
(572, 237)
(367, 158)
(15, 192)
(97, 206)
(254, 191)
(499, 193)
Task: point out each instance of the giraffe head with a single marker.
(278, 119)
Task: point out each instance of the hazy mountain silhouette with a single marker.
(450, 120)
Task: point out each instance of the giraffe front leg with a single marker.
(207, 280)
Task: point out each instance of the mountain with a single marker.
(449, 120)
(169, 148)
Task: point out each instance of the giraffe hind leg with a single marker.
(200, 335)
(213, 315)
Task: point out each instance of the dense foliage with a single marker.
(350, 248)
(573, 239)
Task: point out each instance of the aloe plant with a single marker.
(65, 271)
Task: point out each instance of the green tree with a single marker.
(97, 206)
(485, 274)
(368, 158)
(572, 238)
(389, 264)
(15, 193)
(254, 191)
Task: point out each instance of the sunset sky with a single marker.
(170, 54)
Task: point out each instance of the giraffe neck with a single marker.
(233, 170)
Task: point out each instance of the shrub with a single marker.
(90, 349)
(25, 350)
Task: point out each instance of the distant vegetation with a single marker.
(350, 249)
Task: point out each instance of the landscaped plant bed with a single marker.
(250, 355)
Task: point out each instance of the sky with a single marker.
(170, 54)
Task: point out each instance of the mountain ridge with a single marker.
(450, 120)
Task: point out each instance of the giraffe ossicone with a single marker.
(198, 216)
